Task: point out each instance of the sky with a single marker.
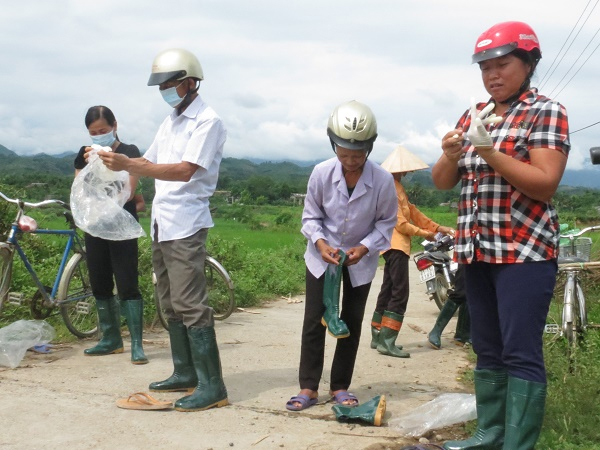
(274, 70)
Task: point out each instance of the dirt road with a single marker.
(64, 400)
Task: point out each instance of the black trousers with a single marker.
(111, 262)
(458, 295)
(393, 295)
(312, 354)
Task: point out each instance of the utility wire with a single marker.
(549, 74)
(583, 64)
(584, 128)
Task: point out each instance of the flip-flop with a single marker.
(304, 400)
(343, 397)
(143, 401)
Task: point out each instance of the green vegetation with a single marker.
(258, 241)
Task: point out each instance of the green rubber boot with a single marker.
(524, 413)
(375, 327)
(435, 335)
(390, 327)
(134, 313)
(490, 397)
(463, 326)
(110, 325)
(210, 391)
(371, 412)
(184, 375)
(331, 299)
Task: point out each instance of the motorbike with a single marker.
(436, 268)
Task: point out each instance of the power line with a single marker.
(542, 84)
(589, 126)
(558, 93)
(573, 65)
(563, 46)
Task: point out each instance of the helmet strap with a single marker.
(188, 98)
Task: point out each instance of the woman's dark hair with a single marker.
(99, 112)
(532, 58)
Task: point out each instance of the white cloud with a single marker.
(273, 70)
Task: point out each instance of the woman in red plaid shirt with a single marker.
(508, 154)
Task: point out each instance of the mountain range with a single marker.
(62, 164)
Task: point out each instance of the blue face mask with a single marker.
(171, 96)
(104, 140)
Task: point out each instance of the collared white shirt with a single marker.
(367, 217)
(197, 136)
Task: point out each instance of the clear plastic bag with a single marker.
(443, 411)
(97, 198)
(17, 337)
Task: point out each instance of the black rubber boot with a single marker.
(524, 413)
(463, 326)
(390, 327)
(134, 313)
(371, 412)
(110, 324)
(184, 375)
(435, 335)
(336, 327)
(490, 397)
(210, 391)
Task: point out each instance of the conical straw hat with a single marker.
(401, 160)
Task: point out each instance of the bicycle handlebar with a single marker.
(21, 203)
(585, 230)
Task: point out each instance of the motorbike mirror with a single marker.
(595, 155)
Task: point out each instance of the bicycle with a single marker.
(219, 287)
(572, 261)
(71, 292)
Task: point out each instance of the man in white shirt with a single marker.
(184, 159)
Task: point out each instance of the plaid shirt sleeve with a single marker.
(497, 223)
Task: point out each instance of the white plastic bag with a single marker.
(17, 337)
(443, 411)
(97, 198)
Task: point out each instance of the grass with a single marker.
(263, 254)
(262, 249)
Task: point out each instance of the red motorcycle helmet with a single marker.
(504, 38)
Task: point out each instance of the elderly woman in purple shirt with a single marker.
(351, 207)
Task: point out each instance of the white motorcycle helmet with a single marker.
(352, 125)
(174, 64)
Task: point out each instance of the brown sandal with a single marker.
(143, 401)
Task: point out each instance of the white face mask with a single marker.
(171, 96)
(104, 140)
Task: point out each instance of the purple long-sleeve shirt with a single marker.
(367, 218)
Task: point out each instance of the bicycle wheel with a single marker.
(220, 289)
(571, 320)
(5, 271)
(77, 304)
(582, 308)
(220, 292)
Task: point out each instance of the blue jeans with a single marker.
(508, 304)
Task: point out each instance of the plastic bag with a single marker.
(97, 198)
(17, 337)
(445, 410)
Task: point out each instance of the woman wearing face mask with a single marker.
(114, 260)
